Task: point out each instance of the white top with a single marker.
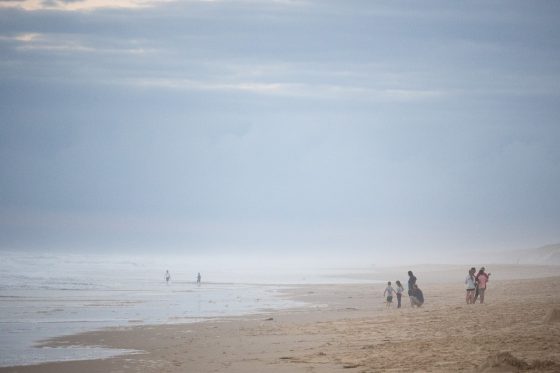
(469, 281)
(389, 290)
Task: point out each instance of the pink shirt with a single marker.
(482, 280)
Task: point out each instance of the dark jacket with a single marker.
(418, 294)
(411, 282)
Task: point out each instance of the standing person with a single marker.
(411, 283)
(470, 285)
(417, 297)
(400, 291)
(389, 291)
(167, 276)
(482, 278)
(475, 285)
(198, 279)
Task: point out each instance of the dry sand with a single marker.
(346, 328)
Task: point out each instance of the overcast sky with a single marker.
(362, 128)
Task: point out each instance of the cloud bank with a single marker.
(263, 127)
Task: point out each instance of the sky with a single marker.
(372, 130)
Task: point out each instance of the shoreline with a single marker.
(28, 319)
(338, 331)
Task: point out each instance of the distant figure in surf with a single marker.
(411, 283)
(167, 277)
(198, 279)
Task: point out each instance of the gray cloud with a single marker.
(276, 125)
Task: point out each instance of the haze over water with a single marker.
(262, 143)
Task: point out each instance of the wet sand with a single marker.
(346, 328)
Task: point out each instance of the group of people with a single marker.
(476, 285)
(167, 277)
(415, 295)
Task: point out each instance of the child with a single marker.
(389, 291)
(400, 290)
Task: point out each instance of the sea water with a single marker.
(45, 296)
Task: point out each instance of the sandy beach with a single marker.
(346, 328)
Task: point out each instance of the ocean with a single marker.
(45, 296)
